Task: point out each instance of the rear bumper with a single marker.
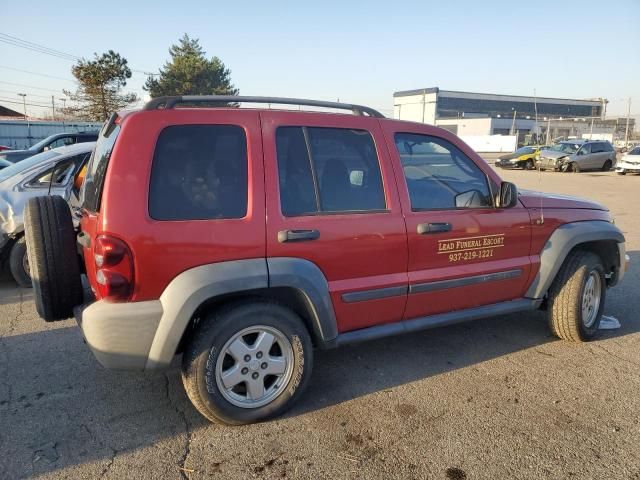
(120, 334)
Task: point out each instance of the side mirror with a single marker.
(508, 195)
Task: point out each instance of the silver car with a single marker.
(54, 172)
(578, 155)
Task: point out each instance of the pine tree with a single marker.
(100, 83)
(189, 72)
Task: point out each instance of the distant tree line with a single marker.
(101, 81)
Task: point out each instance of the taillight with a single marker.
(114, 269)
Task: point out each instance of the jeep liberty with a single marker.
(243, 238)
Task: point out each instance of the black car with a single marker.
(53, 141)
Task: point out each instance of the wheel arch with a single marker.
(598, 236)
(292, 282)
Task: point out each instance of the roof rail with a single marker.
(171, 102)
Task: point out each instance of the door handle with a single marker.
(297, 235)
(424, 228)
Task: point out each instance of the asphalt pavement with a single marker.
(494, 398)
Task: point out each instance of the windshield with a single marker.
(525, 150)
(565, 147)
(26, 164)
(635, 151)
(40, 145)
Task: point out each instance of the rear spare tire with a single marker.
(53, 258)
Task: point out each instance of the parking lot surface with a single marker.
(495, 398)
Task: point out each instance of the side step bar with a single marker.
(433, 321)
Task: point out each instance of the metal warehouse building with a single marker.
(477, 114)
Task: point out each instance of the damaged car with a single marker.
(53, 172)
(578, 155)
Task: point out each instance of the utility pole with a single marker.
(535, 127)
(591, 133)
(53, 108)
(548, 131)
(626, 130)
(24, 104)
(64, 106)
(513, 124)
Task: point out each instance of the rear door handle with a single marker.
(297, 235)
(424, 228)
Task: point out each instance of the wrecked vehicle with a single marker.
(578, 155)
(32, 178)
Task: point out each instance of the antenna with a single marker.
(535, 106)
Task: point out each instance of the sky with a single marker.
(354, 51)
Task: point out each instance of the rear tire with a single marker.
(621, 173)
(259, 380)
(528, 165)
(19, 263)
(607, 166)
(576, 298)
(53, 258)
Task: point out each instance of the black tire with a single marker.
(201, 357)
(18, 265)
(528, 165)
(566, 295)
(621, 173)
(607, 166)
(53, 258)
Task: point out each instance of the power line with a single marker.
(30, 86)
(17, 42)
(2, 100)
(35, 73)
(29, 94)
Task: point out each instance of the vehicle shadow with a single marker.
(59, 408)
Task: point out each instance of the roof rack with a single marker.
(171, 102)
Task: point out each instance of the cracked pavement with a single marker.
(496, 398)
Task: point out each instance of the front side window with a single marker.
(199, 172)
(586, 149)
(439, 175)
(328, 170)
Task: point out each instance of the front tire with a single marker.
(247, 362)
(577, 296)
(19, 263)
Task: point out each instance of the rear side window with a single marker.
(328, 170)
(92, 187)
(598, 148)
(199, 172)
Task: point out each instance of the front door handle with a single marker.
(297, 235)
(424, 228)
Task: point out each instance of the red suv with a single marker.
(244, 237)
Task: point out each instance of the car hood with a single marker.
(553, 154)
(509, 156)
(531, 199)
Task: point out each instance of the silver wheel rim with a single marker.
(254, 366)
(25, 264)
(591, 294)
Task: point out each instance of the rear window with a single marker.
(92, 187)
(199, 172)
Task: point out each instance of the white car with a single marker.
(35, 177)
(630, 162)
